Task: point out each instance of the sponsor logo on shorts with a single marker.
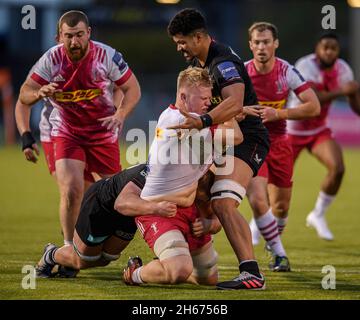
(154, 227)
(78, 95)
(257, 159)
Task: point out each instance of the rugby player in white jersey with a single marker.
(184, 255)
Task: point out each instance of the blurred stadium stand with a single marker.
(137, 28)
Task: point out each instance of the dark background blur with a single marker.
(137, 28)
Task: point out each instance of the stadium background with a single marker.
(137, 28)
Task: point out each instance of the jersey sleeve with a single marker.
(296, 81)
(41, 71)
(227, 73)
(140, 178)
(119, 71)
(345, 73)
(308, 70)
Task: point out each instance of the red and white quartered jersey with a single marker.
(322, 80)
(273, 89)
(87, 90)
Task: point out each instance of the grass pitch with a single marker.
(29, 220)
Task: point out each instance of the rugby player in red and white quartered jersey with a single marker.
(79, 77)
(331, 77)
(273, 79)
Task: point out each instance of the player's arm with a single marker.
(131, 95)
(228, 128)
(31, 91)
(354, 100)
(207, 223)
(129, 203)
(309, 108)
(22, 117)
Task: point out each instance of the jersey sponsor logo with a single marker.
(228, 70)
(216, 100)
(274, 104)
(77, 95)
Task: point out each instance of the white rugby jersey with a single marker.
(176, 159)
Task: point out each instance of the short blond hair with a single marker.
(193, 77)
(263, 26)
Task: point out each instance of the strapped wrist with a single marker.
(27, 140)
(206, 120)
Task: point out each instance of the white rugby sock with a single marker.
(322, 203)
(136, 276)
(269, 229)
(281, 222)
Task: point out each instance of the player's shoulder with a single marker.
(308, 60)
(54, 53)
(283, 63)
(343, 65)
(105, 53)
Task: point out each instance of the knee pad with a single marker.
(86, 258)
(227, 188)
(205, 263)
(171, 244)
(110, 257)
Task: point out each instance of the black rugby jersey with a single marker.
(110, 188)
(226, 68)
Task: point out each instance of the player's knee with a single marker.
(72, 193)
(205, 266)
(258, 205)
(281, 208)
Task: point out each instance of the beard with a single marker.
(77, 53)
(326, 64)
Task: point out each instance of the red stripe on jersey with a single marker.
(103, 56)
(124, 78)
(302, 88)
(38, 79)
(58, 56)
(98, 53)
(53, 59)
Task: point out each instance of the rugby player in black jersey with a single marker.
(232, 90)
(101, 232)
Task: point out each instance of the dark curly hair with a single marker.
(187, 21)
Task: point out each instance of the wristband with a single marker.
(27, 140)
(206, 120)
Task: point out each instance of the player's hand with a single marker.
(248, 111)
(112, 122)
(268, 114)
(48, 90)
(350, 88)
(166, 209)
(200, 227)
(30, 154)
(191, 121)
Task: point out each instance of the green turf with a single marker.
(29, 219)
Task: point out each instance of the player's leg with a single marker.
(227, 193)
(329, 153)
(70, 178)
(258, 200)
(281, 165)
(103, 160)
(205, 271)
(174, 263)
(264, 218)
(280, 203)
